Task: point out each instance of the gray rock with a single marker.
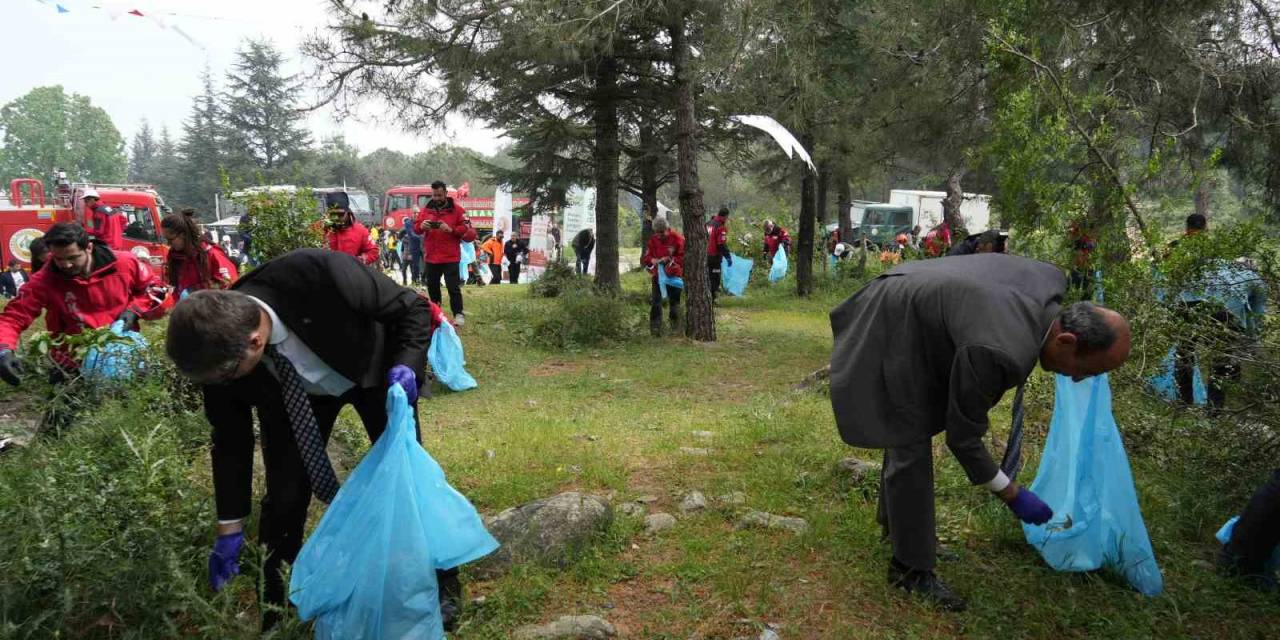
(545, 531)
(693, 501)
(855, 471)
(695, 451)
(633, 509)
(762, 520)
(658, 522)
(733, 499)
(647, 499)
(703, 434)
(568, 628)
(769, 634)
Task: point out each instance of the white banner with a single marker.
(502, 211)
(579, 214)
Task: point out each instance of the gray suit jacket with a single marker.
(932, 345)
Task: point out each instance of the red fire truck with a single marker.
(402, 201)
(27, 212)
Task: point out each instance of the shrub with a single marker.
(558, 279)
(581, 318)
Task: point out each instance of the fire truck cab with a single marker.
(27, 212)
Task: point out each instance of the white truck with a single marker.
(927, 208)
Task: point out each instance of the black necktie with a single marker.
(306, 433)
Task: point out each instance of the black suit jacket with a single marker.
(358, 321)
(9, 288)
(932, 345)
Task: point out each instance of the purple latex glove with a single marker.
(1029, 507)
(224, 562)
(404, 377)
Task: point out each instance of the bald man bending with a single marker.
(930, 347)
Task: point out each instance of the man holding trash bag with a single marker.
(664, 253)
(296, 339)
(930, 347)
(717, 249)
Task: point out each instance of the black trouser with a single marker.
(906, 512)
(583, 263)
(713, 276)
(452, 281)
(495, 273)
(513, 272)
(1222, 368)
(392, 260)
(411, 269)
(283, 517)
(655, 306)
(1258, 531)
(1082, 281)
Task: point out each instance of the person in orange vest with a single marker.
(493, 248)
(343, 234)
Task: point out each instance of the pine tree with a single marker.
(201, 158)
(262, 119)
(142, 153)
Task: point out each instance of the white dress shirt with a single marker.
(318, 378)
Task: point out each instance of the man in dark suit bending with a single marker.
(930, 347)
(297, 339)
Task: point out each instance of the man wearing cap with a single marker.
(343, 234)
(104, 223)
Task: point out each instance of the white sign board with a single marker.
(579, 214)
(502, 210)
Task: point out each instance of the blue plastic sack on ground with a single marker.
(779, 269)
(368, 570)
(1084, 476)
(1165, 386)
(665, 281)
(735, 276)
(117, 361)
(1224, 536)
(447, 360)
(468, 256)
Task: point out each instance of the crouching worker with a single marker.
(296, 339)
(86, 285)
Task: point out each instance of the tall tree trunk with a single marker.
(1204, 195)
(700, 322)
(606, 157)
(951, 204)
(824, 188)
(804, 241)
(648, 180)
(844, 202)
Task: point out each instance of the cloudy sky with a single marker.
(138, 68)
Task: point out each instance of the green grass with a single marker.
(641, 398)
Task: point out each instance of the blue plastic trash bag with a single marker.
(1165, 385)
(468, 256)
(117, 361)
(665, 281)
(1084, 476)
(447, 360)
(779, 269)
(1224, 536)
(368, 570)
(735, 276)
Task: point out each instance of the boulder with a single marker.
(762, 520)
(547, 531)
(568, 628)
(658, 522)
(693, 501)
(855, 472)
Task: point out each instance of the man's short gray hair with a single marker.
(1085, 321)
(660, 224)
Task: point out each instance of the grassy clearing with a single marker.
(513, 440)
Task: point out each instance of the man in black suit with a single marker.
(930, 347)
(11, 281)
(296, 339)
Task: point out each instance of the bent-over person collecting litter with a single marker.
(930, 347)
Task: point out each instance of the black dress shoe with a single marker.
(450, 597)
(927, 585)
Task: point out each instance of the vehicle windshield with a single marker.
(896, 217)
(360, 202)
(139, 224)
(399, 201)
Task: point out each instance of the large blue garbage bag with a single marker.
(735, 276)
(1084, 476)
(117, 361)
(368, 570)
(779, 269)
(1224, 536)
(447, 360)
(1166, 386)
(468, 256)
(665, 281)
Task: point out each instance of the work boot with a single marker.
(926, 585)
(450, 597)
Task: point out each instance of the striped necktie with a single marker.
(306, 432)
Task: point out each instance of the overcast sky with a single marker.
(135, 68)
